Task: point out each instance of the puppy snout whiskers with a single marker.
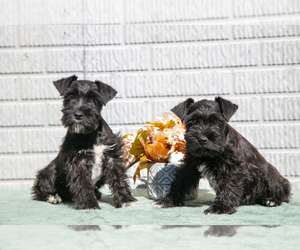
(202, 140)
(78, 116)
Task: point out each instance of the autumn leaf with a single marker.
(137, 148)
(161, 126)
(143, 164)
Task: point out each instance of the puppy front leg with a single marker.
(186, 180)
(226, 200)
(82, 188)
(116, 179)
(44, 186)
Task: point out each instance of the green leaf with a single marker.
(137, 148)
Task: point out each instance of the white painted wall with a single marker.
(155, 53)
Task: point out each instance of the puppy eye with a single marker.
(71, 97)
(93, 100)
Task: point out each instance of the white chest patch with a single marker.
(207, 175)
(201, 168)
(97, 168)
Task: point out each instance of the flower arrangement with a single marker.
(161, 141)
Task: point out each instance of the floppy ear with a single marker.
(107, 92)
(227, 108)
(182, 108)
(64, 83)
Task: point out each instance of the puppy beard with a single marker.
(77, 128)
(85, 126)
(210, 149)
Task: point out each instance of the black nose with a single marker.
(203, 140)
(78, 116)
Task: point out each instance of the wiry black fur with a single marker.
(214, 150)
(69, 175)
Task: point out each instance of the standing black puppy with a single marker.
(90, 155)
(214, 150)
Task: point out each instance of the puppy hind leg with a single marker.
(44, 185)
(278, 193)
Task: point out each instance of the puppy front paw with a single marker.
(54, 199)
(164, 203)
(131, 204)
(271, 203)
(220, 209)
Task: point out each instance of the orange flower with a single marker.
(157, 148)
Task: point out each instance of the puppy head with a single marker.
(207, 127)
(82, 103)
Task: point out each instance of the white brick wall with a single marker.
(156, 54)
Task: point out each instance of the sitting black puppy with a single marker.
(214, 150)
(90, 155)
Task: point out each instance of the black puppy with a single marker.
(214, 150)
(90, 155)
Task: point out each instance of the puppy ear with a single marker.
(64, 83)
(182, 108)
(107, 92)
(227, 108)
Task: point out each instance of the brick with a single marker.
(267, 81)
(271, 136)
(30, 61)
(102, 34)
(7, 36)
(42, 140)
(118, 129)
(8, 13)
(51, 35)
(9, 139)
(205, 56)
(174, 33)
(126, 129)
(102, 12)
(295, 181)
(281, 108)
(160, 106)
(51, 12)
(113, 80)
(287, 163)
(127, 112)
(249, 109)
(21, 167)
(16, 184)
(244, 8)
(283, 28)
(101, 60)
(9, 89)
(139, 11)
(54, 113)
(20, 114)
(65, 60)
(280, 53)
(39, 87)
(178, 84)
